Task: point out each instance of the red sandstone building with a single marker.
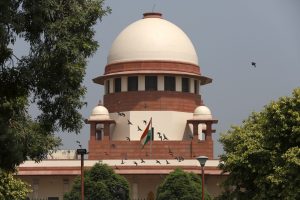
(152, 74)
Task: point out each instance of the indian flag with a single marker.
(147, 134)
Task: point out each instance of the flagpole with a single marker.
(152, 131)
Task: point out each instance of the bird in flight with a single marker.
(142, 160)
(135, 163)
(129, 122)
(165, 137)
(178, 158)
(122, 163)
(167, 162)
(145, 122)
(157, 161)
(181, 158)
(121, 114)
(253, 64)
(127, 138)
(139, 129)
(160, 137)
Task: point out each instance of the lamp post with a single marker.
(202, 160)
(82, 152)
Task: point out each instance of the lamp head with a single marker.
(81, 151)
(202, 160)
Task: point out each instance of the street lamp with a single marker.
(82, 152)
(202, 160)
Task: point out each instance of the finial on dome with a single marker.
(100, 103)
(152, 15)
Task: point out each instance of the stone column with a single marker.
(93, 131)
(195, 129)
(208, 132)
(106, 135)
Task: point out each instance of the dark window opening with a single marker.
(99, 131)
(117, 84)
(107, 87)
(151, 83)
(132, 83)
(169, 83)
(185, 85)
(196, 87)
(99, 135)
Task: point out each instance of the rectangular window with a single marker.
(196, 87)
(99, 131)
(117, 84)
(132, 83)
(185, 84)
(150, 83)
(107, 83)
(170, 83)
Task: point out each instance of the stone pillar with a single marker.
(160, 83)
(195, 129)
(208, 131)
(106, 135)
(93, 131)
(141, 83)
(124, 84)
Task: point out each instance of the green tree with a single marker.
(100, 182)
(262, 155)
(59, 34)
(12, 188)
(180, 185)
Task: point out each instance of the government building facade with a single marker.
(152, 119)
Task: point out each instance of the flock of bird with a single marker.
(160, 135)
(178, 158)
(136, 163)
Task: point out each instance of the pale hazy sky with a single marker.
(228, 36)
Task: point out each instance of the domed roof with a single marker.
(152, 38)
(99, 113)
(202, 113)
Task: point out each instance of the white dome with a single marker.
(152, 38)
(202, 113)
(99, 113)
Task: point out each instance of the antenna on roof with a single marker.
(153, 7)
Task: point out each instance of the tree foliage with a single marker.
(59, 34)
(12, 188)
(263, 155)
(181, 185)
(100, 182)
